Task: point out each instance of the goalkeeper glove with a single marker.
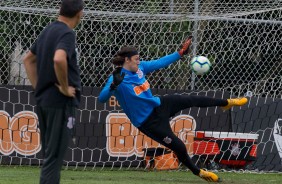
(185, 46)
(117, 78)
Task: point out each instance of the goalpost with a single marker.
(242, 39)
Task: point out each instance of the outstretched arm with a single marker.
(167, 60)
(163, 62)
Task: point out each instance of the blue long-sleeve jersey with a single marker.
(134, 94)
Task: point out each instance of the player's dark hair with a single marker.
(69, 8)
(124, 52)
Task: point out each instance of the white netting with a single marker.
(229, 33)
(152, 9)
(242, 39)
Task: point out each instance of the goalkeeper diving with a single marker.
(151, 114)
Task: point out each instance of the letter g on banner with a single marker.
(19, 133)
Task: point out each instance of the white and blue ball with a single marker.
(200, 65)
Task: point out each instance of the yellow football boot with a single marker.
(235, 102)
(209, 176)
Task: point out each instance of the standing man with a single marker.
(52, 68)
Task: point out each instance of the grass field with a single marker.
(30, 175)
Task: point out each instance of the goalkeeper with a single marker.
(150, 114)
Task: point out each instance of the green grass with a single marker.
(30, 175)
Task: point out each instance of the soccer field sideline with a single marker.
(30, 175)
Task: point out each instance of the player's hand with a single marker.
(117, 78)
(185, 46)
(69, 91)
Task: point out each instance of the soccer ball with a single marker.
(200, 65)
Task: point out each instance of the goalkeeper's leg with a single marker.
(176, 103)
(158, 128)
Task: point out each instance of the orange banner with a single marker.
(124, 140)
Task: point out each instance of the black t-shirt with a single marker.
(55, 36)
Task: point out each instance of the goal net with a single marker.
(241, 38)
